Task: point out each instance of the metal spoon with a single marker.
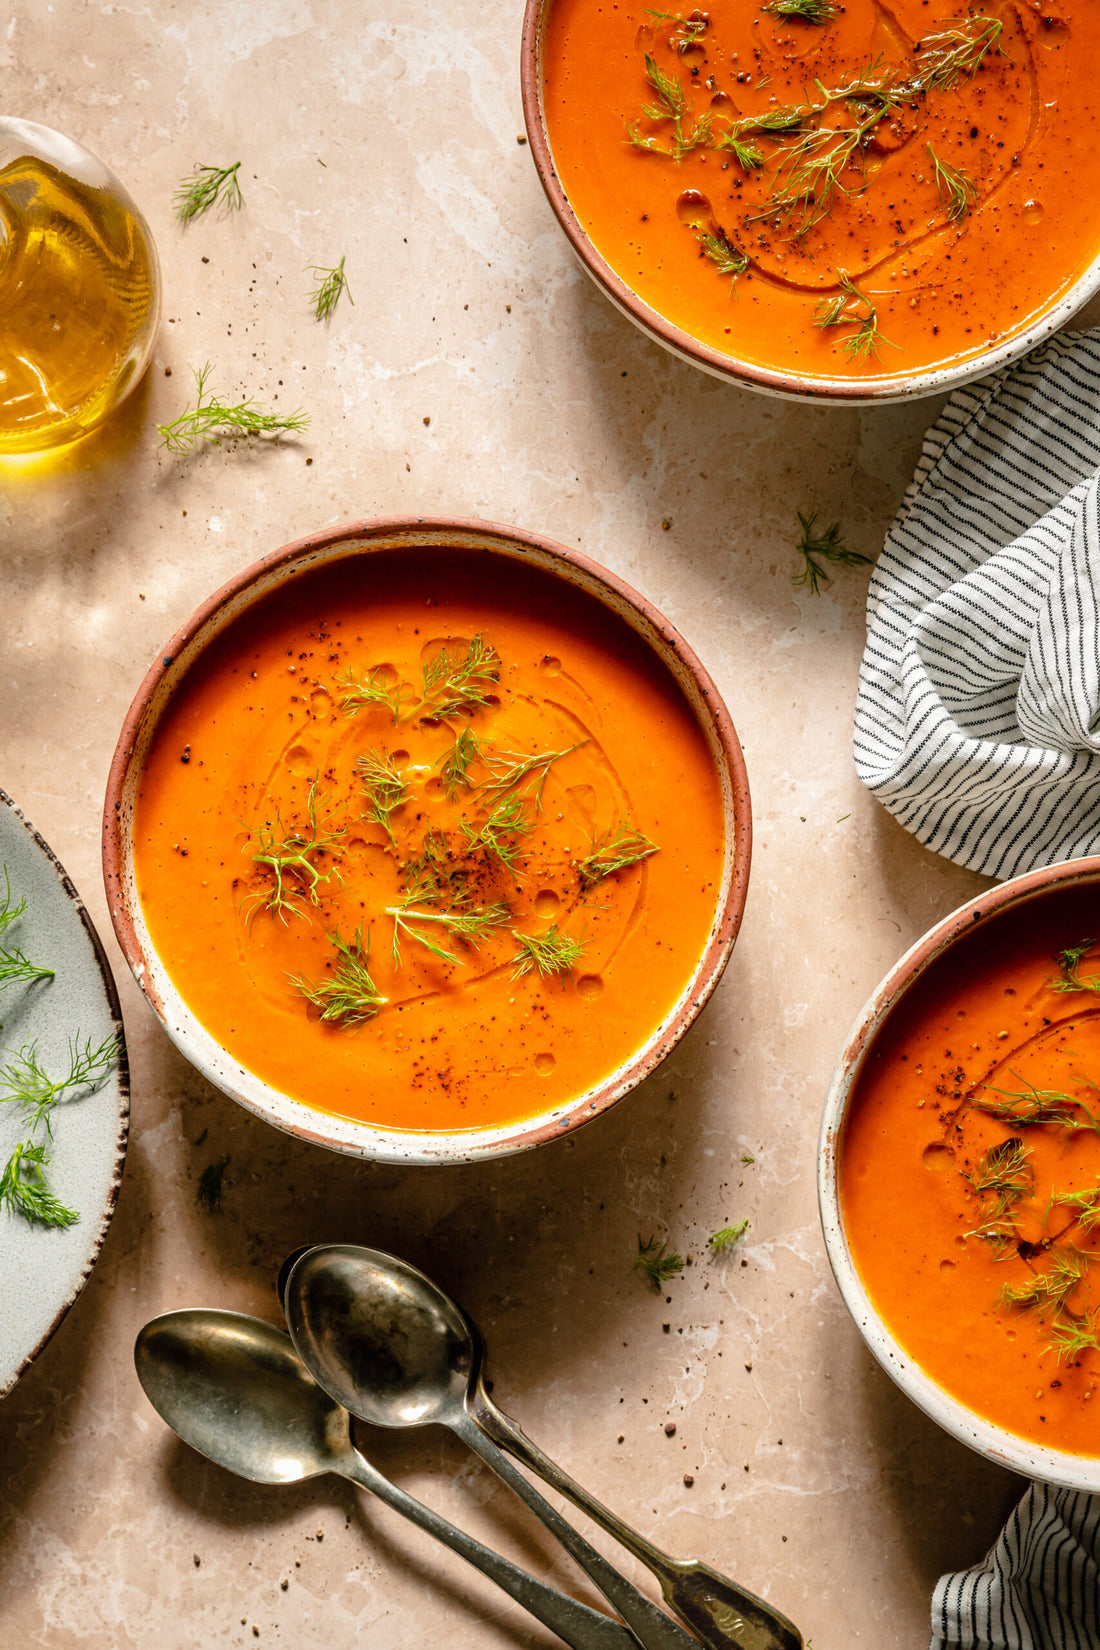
(395, 1349)
(234, 1389)
(368, 1347)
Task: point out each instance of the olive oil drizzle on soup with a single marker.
(970, 1171)
(429, 839)
(845, 191)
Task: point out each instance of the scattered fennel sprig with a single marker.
(722, 250)
(654, 1260)
(499, 836)
(1084, 1206)
(958, 50)
(511, 772)
(347, 994)
(385, 789)
(208, 1193)
(671, 103)
(546, 954)
(24, 1190)
(9, 911)
(205, 188)
(215, 419)
(1004, 1174)
(721, 1242)
(453, 683)
(28, 1085)
(1005, 1171)
(471, 925)
(852, 307)
(811, 173)
(288, 855)
(15, 967)
(376, 688)
(1072, 1334)
(956, 189)
(686, 31)
(454, 764)
(810, 11)
(620, 848)
(1069, 964)
(774, 123)
(1020, 1108)
(425, 875)
(456, 682)
(817, 548)
(1053, 1286)
(30, 1088)
(331, 287)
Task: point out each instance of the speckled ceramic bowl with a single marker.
(363, 539)
(789, 386)
(1005, 1448)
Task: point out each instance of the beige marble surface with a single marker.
(389, 133)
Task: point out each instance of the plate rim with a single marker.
(122, 1073)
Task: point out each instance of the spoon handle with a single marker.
(651, 1627)
(574, 1623)
(723, 1615)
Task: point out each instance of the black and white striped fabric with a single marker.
(1039, 1587)
(978, 715)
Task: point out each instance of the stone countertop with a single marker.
(478, 373)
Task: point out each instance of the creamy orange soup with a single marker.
(430, 839)
(970, 1172)
(875, 192)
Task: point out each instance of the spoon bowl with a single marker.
(380, 1337)
(235, 1390)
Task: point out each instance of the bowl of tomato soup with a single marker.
(427, 840)
(959, 1174)
(811, 198)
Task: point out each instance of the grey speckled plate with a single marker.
(42, 1270)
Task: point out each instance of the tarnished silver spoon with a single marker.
(234, 1388)
(392, 1347)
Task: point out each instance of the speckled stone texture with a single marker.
(480, 373)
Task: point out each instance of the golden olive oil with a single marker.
(79, 289)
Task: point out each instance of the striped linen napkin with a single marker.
(978, 715)
(978, 725)
(1037, 1589)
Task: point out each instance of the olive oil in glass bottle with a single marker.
(79, 289)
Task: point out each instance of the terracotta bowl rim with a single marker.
(362, 1139)
(1007, 1449)
(789, 386)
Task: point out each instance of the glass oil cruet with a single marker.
(79, 289)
